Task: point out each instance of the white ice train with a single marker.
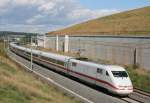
(112, 77)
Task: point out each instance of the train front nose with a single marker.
(125, 90)
(124, 86)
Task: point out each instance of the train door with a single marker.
(67, 65)
(99, 75)
(107, 78)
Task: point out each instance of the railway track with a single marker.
(138, 96)
(129, 100)
(142, 92)
(82, 90)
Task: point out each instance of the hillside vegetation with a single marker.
(19, 86)
(136, 22)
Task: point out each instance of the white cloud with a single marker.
(46, 12)
(4, 3)
(28, 2)
(29, 28)
(22, 2)
(47, 7)
(83, 14)
(33, 19)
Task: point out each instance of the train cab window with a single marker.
(107, 73)
(119, 73)
(74, 64)
(99, 71)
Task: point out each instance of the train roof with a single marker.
(45, 54)
(66, 58)
(115, 68)
(103, 66)
(55, 56)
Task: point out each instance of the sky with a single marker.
(42, 16)
(115, 4)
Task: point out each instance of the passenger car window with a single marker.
(107, 73)
(74, 64)
(99, 71)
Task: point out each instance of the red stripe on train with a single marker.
(98, 80)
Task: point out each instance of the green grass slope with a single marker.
(19, 86)
(136, 22)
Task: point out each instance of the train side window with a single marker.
(35, 55)
(107, 73)
(99, 70)
(74, 64)
(60, 63)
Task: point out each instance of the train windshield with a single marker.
(119, 74)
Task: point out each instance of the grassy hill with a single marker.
(19, 86)
(136, 22)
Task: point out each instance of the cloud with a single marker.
(28, 2)
(82, 14)
(29, 28)
(51, 14)
(3, 5)
(47, 7)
